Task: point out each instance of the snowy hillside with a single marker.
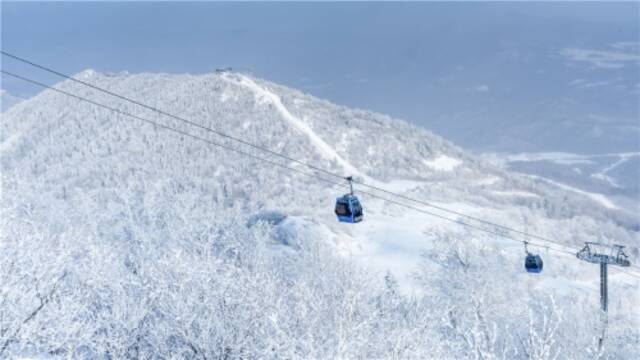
(123, 239)
(610, 178)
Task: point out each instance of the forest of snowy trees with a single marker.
(122, 241)
(228, 290)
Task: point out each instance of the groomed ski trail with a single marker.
(264, 95)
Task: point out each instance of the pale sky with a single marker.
(434, 64)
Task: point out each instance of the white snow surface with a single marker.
(443, 163)
(515, 193)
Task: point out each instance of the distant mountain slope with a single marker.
(611, 177)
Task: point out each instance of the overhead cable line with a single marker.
(196, 137)
(278, 154)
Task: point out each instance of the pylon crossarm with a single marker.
(604, 254)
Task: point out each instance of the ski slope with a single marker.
(264, 96)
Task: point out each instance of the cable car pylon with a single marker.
(604, 255)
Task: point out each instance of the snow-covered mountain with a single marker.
(123, 239)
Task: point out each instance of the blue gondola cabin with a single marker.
(348, 209)
(533, 263)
